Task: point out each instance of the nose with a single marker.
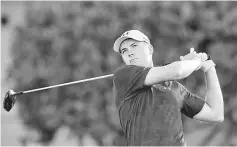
(130, 52)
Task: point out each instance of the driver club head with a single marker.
(9, 100)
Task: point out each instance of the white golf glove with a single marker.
(192, 55)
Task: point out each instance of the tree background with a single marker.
(67, 41)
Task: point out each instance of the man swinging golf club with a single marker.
(150, 100)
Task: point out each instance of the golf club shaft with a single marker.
(64, 84)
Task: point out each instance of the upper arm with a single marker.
(195, 107)
(207, 114)
(162, 73)
(190, 104)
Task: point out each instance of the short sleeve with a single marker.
(128, 80)
(191, 103)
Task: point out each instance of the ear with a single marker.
(151, 48)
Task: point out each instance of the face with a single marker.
(136, 53)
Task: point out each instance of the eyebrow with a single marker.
(132, 43)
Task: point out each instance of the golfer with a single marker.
(150, 100)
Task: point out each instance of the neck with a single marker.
(151, 63)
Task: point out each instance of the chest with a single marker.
(157, 101)
(165, 94)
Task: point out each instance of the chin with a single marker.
(137, 64)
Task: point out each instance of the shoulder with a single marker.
(129, 69)
(121, 72)
(123, 68)
(130, 73)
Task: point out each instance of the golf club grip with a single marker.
(64, 84)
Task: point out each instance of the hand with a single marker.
(192, 55)
(206, 65)
(203, 56)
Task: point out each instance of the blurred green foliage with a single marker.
(68, 41)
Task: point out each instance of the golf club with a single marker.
(10, 96)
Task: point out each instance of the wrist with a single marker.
(200, 63)
(207, 65)
(210, 69)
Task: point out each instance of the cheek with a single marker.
(148, 52)
(144, 56)
(144, 53)
(125, 59)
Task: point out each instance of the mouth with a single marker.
(132, 60)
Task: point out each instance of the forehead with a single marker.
(127, 42)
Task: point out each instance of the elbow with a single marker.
(219, 119)
(220, 115)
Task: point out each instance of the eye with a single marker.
(123, 51)
(134, 45)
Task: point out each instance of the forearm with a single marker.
(186, 67)
(174, 71)
(214, 96)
